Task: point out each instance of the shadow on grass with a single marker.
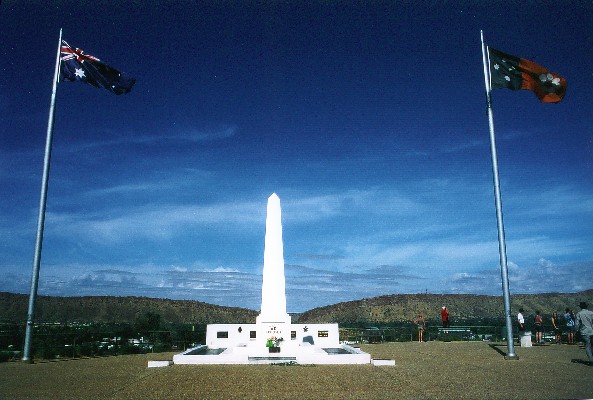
(496, 347)
(579, 361)
(65, 359)
(58, 360)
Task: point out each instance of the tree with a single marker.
(147, 322)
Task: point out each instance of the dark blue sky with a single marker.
(368, 119)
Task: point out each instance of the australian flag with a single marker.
(78, 66)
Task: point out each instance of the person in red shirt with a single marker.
(445, 317)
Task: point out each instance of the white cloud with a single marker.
(192, 135)
(154, 222)
(344, 245)
(306, 287)
(542, 277)
(223, 270)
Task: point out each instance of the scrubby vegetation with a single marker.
(98, 326)
(112, 309)
(394, 310)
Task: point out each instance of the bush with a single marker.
(5, 356)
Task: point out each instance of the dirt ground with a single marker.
(433, 370)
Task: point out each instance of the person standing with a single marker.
(556, 325)
(568, 317)
(421, 326)
(584, 324)
(538, 322)
(521, 321)
(445, 317)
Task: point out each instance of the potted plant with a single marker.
(273, 344)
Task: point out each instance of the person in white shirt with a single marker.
(584, 324)
(521, 320)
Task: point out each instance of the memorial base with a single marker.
(525, 338)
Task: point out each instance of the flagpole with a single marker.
(41, 216)
(511, 355)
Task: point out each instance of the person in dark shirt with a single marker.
(569, 318)
(538, 323)
(556, 325)
(421, 326)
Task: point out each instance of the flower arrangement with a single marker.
(274, 342)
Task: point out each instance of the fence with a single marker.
(53, 342)
(62, 342)
(410, 333)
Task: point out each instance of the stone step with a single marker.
(271, 358)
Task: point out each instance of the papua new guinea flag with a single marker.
(78, 66)
(507, 71)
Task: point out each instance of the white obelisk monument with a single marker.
(273, 316)
(273, 338)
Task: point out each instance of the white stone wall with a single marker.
(239, 335)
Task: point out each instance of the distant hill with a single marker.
(13, 308)
(399, 308)
(383, 310)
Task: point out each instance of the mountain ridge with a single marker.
(116, 309)
(381, 310)
(397, 308)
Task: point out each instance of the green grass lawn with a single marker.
(452, 370)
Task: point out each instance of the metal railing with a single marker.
(407, 334)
